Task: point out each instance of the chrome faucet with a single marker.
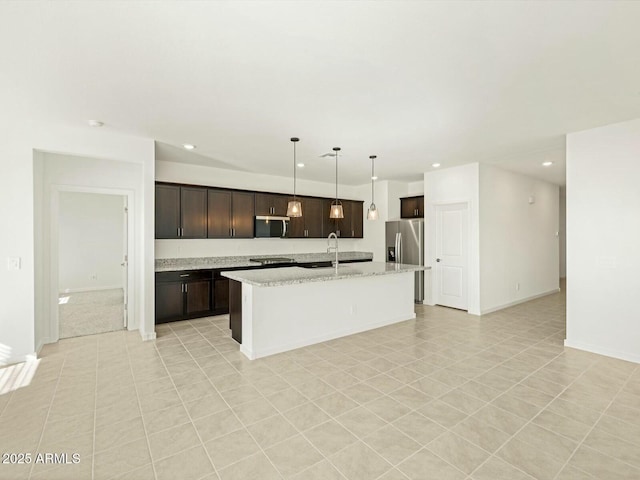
(335, 248)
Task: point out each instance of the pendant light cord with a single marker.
(372, 175)
(336, 149)
(294, 171)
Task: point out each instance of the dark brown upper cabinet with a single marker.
(167, 211)
(181, 212)
(230, 214)
(271, 204)
(412, 207)
(310, 224)
(351, 225)
(191, 211)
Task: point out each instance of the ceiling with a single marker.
(412, 82)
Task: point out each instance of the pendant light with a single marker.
(336, 205)
(294, 207)
(372, 213)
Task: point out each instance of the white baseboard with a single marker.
(90, 289)
(519, 301)
(609, 352)
(148, 336)
(253, 354)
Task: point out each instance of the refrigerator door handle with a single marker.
(399, 255)
(396, 248)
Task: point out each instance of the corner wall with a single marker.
(603, 228)
(519, 243)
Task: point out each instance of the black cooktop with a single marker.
(272, 260)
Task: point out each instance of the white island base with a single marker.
(284, 317)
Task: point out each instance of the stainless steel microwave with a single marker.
(271, 226)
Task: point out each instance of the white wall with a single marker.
(603, 228)
(90, 241)
(519, 246)
(563, 232)
(454, 185)
(21, 198)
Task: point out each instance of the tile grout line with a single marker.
(202, 443)
(532, 418)
(146, 433)
(53, 396)
(594, 426)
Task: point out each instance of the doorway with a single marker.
(451, 265)
(92, 263)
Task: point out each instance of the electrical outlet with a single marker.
(13, 263)
(353, 310)
(93, 276)
(517, 286)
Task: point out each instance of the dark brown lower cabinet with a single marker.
(169, 301)
(183, 295)
(197, 297)
(220, 295)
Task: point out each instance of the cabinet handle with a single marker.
(181, 232)
(184, 275)
(186, 288)
(182, 288)
(178, 234)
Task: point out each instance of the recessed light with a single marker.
(435, 165)
(95, 123)
(300, 165)
(374, 177)
(188, 146)
(547, 164)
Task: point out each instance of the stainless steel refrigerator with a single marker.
(405, 244)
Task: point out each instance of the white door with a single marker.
(451, 255)
(125, 260)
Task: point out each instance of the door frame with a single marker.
(52, 286)
(436, 275)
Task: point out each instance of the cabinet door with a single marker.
(313, 211)
(297, 225)
(219, 214)
(167, 211)
(420, 206)
(329, 225)
(193, 203)
(242, 207)
(198, 295)
(169, 301)
(221, 295)
(357, 219)
(280, 204)
(271, 204)
(407, 207)
(344, 224)
(412, 207)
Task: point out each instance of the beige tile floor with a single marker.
(447, 396)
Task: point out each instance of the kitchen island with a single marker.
(277, 310)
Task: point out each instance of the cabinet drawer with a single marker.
(183, 276)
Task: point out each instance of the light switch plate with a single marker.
(13, 263)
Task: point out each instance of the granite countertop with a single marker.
(204, 263)
(293, 275)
